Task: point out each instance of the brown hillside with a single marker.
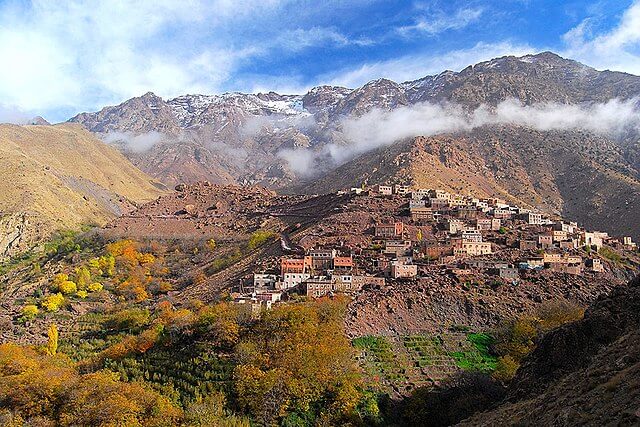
(57, 177)
(586, 373)
(578, 175)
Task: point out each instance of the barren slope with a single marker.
(56, 177)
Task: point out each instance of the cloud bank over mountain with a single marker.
(379, 127)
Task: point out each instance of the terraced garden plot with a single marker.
(190, 373)
(381, 361)
(402, 363)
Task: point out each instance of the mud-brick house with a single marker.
(322, 259)
(401, 270)
(559, 235)
(466, 212)
(532, 218)
(385, 190)
(398, 248)
(413, 203)
(472, 248)
(438, 204)
(434, 250)
(594, 264)
(400, 189)
(421, 214)
(343, 263)
(389, 230)
(295, 265)
(628, 243)
(566, 268)
(439, 194)
(568, 244)
(471, 235)
(318, 287)
(291, 280)
(569, 228)
(453, 225)
(561, 259)
(265, 281)
(502, 213)
(545, 241)
(420, 194)
(593, 239)
(527, 245)
(509, 274)
(488, 224)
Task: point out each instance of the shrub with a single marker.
(67, 287)
(82, 294)
(95, 287)
(610, 254)
(126, 319)
(53, 302)
(29, 311)
(259, 238)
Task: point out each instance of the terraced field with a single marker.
(398, 364)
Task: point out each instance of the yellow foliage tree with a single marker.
(67, 287)
(83, 277)
(95, 287)
(298, 355)
(51, 391)
(52, 340)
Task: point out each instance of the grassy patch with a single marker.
(611, 255)
(477, 357)
(381, 360)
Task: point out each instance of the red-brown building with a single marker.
(392, 230)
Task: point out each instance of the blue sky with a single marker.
(65, 57)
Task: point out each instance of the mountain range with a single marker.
(321, 141)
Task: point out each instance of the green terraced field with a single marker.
(405, 362)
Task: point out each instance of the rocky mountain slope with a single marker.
(575, 174)
(292, 141)
(240, 136)
(60, 177)
(585, 373)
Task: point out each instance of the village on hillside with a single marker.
(435, 232)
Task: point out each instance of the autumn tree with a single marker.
(46, 390)
(52, 339)
(298, 358)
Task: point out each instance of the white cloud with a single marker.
(411, 67)
(301, 161)
(134, 143)
(441, 22)
(617, 49)
(84, 54)
(300, 38)
(9, 114)
(379, 128)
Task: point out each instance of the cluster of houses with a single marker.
(465, 233)
(318, 273)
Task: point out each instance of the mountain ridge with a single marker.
(290, 142)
